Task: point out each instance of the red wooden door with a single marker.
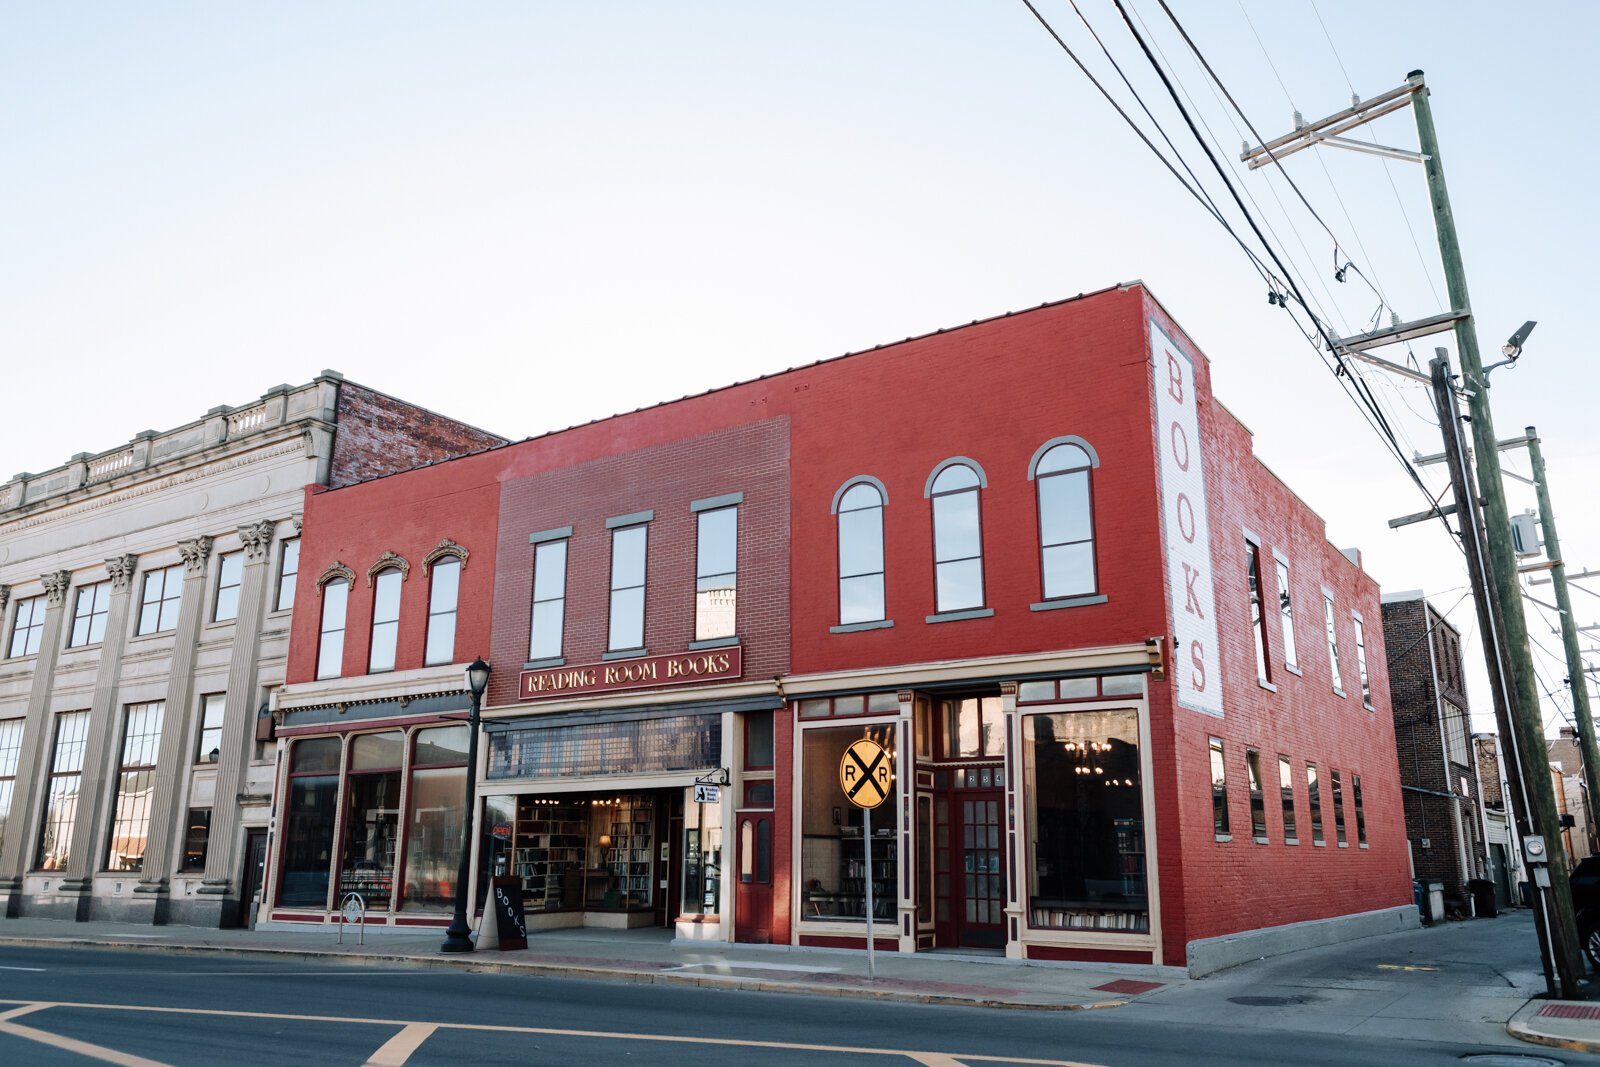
(753, 863)
(970, 878)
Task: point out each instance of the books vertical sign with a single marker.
(1186, 534)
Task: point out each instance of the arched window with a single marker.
(1066, 518)
(859, 505)
(957, 536)
(385, 619)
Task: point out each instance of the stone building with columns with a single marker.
(145, 594)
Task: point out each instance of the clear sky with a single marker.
(529, 215)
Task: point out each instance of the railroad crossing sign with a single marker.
(865, 772)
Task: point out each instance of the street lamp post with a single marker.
(459, 937)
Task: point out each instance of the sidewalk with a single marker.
(638, 956)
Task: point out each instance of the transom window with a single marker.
(89, 615)
(861, 597)
(28, 629)
(957, 538)
(1066, 521)
(158, 604)
(385, 619)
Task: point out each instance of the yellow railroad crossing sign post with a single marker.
(866, 774)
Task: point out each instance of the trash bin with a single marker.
(1483, 903)
(1420, 899)
(1435, 902)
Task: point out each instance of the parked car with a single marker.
(1585, 881)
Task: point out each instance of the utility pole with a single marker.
(1569, 626)
(1491, 624)
(1504, 586)
(1497, 584)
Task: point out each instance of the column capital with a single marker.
(257, 540)
(5, 597)
(56, 584)
(121, 568)
(195, 554)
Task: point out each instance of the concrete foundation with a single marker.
(1212, 954)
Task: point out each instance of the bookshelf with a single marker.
(547, 853)
(851, 900)
(629, 861)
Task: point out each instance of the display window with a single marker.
(833, 857)
(433, 829)
(1085, 816)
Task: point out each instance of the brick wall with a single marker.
(752, 459)
(377, 435)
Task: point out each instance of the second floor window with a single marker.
(1066, 523)
(1286, 612)
(1219, 790)
(444, 591)
(209, 747)
(385, 620)
(957, 539)
(28, 629)
(860, 510)
(288, 571)
(1361, 660)
(716, 586)
(1286, 787)
(330, 646)
(230, 575)
(158, 602)
(549, 599)
(1258, 620)
(627, 588)
(89, 615)
(1333, 642)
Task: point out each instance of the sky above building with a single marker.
(531, 215)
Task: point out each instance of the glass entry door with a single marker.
(969, 865)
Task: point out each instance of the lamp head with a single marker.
(1513, 346)
(478, 677)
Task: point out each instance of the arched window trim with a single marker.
(389, 561)
(1065, 439)
(336, 570)
(445, 547)
(977, 468)
(860, 479)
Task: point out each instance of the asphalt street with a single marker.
(150, 1007)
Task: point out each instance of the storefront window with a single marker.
(1086, 821)
(372, 818)
(832, 850)
(433, 827)
(308, 822)
(702, 859)
(972, 727)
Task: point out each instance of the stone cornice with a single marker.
(366, 688)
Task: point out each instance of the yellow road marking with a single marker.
(67, 1044)
(398, 1049)
(1404, 967)
(948, 1058)
(936, 1059)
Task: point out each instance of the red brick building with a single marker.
(1028, 556)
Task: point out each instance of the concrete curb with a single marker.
(1574, 1035)
(560, 970)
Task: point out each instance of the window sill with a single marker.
(1344, 844)
(713, 642)
(1368, 706)
(1338, 692)
(1319, 844)
(1261, 841)
(958, 616)
(1294, 670)
(1362, 845)
(860, 627)
(1068, 602)
(1291, 840)
(627, 653)
(1224, 837)
(548, 661)
(1268, 686)
(82, 648)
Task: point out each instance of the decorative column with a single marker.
(16, 853)
(1017, 830)
(101, 750)
(238, 725)
(151, 900)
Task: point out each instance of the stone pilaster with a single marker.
(16, 852)
(102, 748)
(151, 901)
(238, 724)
